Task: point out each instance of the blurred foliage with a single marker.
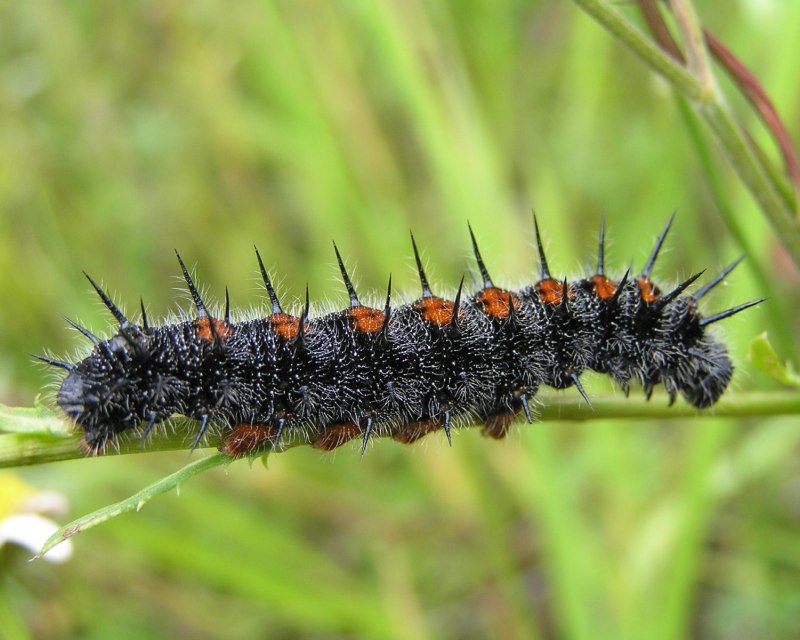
(129, 129)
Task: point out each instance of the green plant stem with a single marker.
(33, 447)
(696, 54)
(747, 164)
(679, 77)
(710, 106)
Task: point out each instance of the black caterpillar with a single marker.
(403, 371)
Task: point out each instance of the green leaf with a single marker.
(763, 355)
(135, 502)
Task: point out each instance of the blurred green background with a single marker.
(130, 129)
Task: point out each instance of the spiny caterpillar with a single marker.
(400, 371)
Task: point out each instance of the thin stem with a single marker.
(658, 28)
(751, 88)
(19, 449)
(746, 162)
(696, 53)
(660, 62)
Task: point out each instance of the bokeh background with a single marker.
(130, 129)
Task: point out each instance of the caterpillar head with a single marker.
(102, 393)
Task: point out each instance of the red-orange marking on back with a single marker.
(435, 310)
(552, 291)
(366, 320)
(246, 439)
(335, 435)
(649, 291)
(203, 328)
(495, 302)
(413, 431)
(284, 325)
(603, 287)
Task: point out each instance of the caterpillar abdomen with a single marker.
(400, 371)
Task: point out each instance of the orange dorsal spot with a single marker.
(366, 320)
(335, 435)
(203, 328)
(246, 439)
(284, 325)
(413, 431)
(435, 310)
(495, 302)
(649, 291)
(603, 287)
(552, 291)
(496, 426)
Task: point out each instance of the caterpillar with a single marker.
(402, 371)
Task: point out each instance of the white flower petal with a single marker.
(32, 531)
(52, 502)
